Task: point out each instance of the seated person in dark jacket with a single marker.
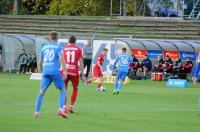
(145, 67)
(134, 66)
(187, 67)
(168, 65)
(177, 66)
(158, 67)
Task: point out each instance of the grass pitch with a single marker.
(142, 106)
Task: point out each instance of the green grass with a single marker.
(142, 106)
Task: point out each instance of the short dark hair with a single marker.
(53, 35)
(105, 49)
(72, 40)
(124, 49)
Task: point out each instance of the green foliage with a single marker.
(79, 7)
(136, 8)
(6, 6)
(36, 6)
(68, 7)
(71, 7)
(131, 8)
(54, 7)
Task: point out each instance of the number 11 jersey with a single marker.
(72, 54)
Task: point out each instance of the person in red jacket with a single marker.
(187, 67)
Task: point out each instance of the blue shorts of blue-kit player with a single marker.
(48, 79)
(121, 75)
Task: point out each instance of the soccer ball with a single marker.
(102, 89)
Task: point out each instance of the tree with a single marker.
(36, 6)
(79, 7)
(6, 6)
(137, 8)
(54, 7)
(70, 7)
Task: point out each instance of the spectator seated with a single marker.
(167, 67)
(177, 68)
(158, 67)
(186, 68)
(134, 68)
(146, 67)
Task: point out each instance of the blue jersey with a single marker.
(198, 58)
(123, 62)
(50, 55)
(197, 69)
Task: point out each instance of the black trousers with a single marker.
(22, 68)
(33, 67)
(87, 62)
(28, 67)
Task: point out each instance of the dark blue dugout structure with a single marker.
(11, 47)
(153, 48)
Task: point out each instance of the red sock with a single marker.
(88, 81)
(99, 85)
(74, 95)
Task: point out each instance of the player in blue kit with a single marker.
(50, 61)
(123, 62)
(197, 69)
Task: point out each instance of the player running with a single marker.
(197, 69)
(123, 62)
(72, 56)
(50, 60)
(97, 71)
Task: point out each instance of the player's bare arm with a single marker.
(1, 63)
(40, 64)
(81, 66)
(62, 62)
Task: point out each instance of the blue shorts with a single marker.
(197, 69)
(121, 75)
(48, 79)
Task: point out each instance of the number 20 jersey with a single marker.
(72, 54)
(50, 55)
